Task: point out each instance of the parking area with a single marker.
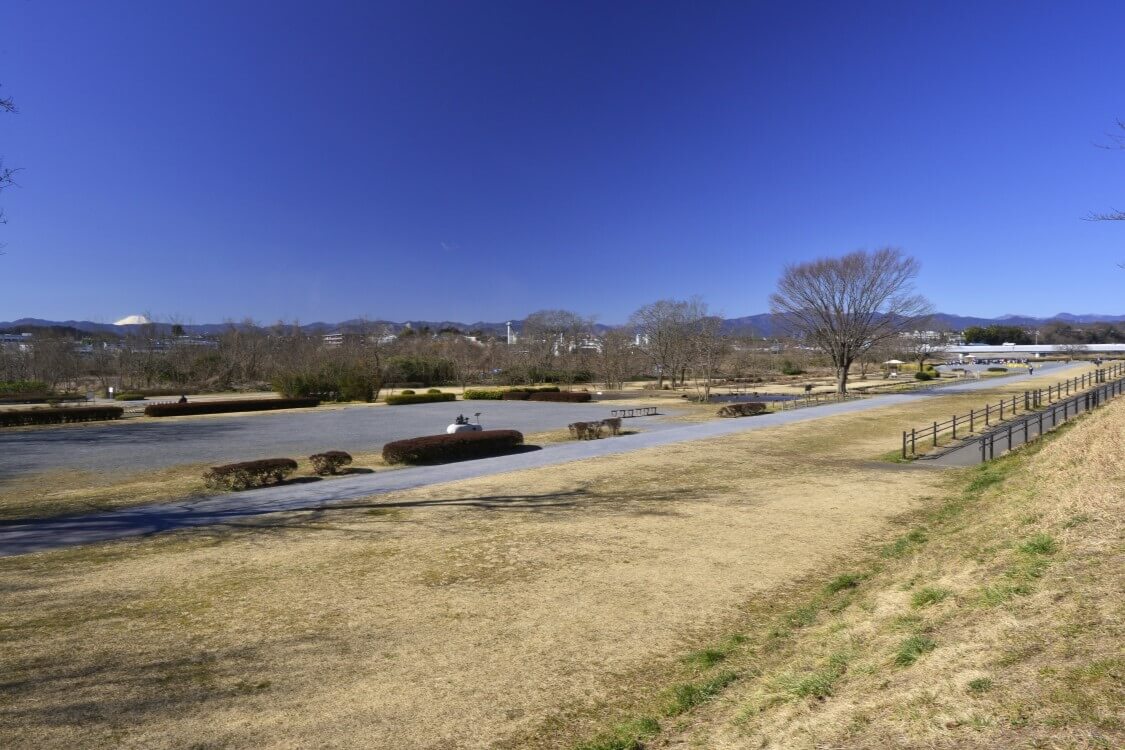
(154, 443)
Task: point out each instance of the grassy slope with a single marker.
(996, 621)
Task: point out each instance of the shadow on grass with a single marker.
(98, 691)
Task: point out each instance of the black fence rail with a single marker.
(962, 425)
(1035, 426)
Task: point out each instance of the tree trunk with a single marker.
(842, 380)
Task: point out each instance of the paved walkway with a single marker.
(48, 534)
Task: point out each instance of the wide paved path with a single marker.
(36, 536)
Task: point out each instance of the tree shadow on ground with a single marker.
(96, 690)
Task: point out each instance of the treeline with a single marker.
(672, 343)
(1058, 332)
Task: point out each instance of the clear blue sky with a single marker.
(481, 160)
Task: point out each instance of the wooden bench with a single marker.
(641, 411)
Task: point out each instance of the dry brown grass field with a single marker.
(681, 587)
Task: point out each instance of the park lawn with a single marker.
(994, 621)
(465, 614)
(532, 609)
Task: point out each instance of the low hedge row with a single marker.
(131, 396)
(495, 394)
(434, 449)
(248, 474)
(223, 407)
(574, 397)
(419, 398)
(746, 409)
(997, 369)
(25, 417)
(482, 394)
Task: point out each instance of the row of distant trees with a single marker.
(672, 342)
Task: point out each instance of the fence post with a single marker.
(904, 443)
(972, 420)
(1009, 438)
(912, 446)
(1026, 401)
(982, 442)
(1001, 410)
(987, 411)
(954, 426)
(1040, 424)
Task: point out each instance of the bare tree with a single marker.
(1116, 143)
(548, 337)
(708, 346)
(844, 305)
(7, 174)
(920, 350)
(663, 335)
(614, 361)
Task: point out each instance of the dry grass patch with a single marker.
(997, 625)
(463, 615)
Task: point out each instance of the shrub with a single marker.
(516, 396)
(481, 394)
(997, 369)
(223, 407)
(574, 397)
(923, 375)
(25, 417)
(131, 396)
(456, 447)
(585, 430)
(14, 387)
(419, 398)
(248, 474)
(788, 368)
(434, 390)
(747, 409)
(528, 389)
(329, 462)
(336, 381)
(408, 392)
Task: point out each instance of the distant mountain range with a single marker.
(758, 325)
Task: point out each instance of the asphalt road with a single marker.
(152, 443)
(37, 536)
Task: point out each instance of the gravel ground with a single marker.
(159, 443)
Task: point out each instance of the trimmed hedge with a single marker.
(512, 394)
(924, 375)
(574, 397)
(434, 449)
(131, 396)
(224, 407)
(248, 474)
(24, 417)
(997, 369)
(420, 398)
(481, 394)
(329, 462)
(746, 409)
